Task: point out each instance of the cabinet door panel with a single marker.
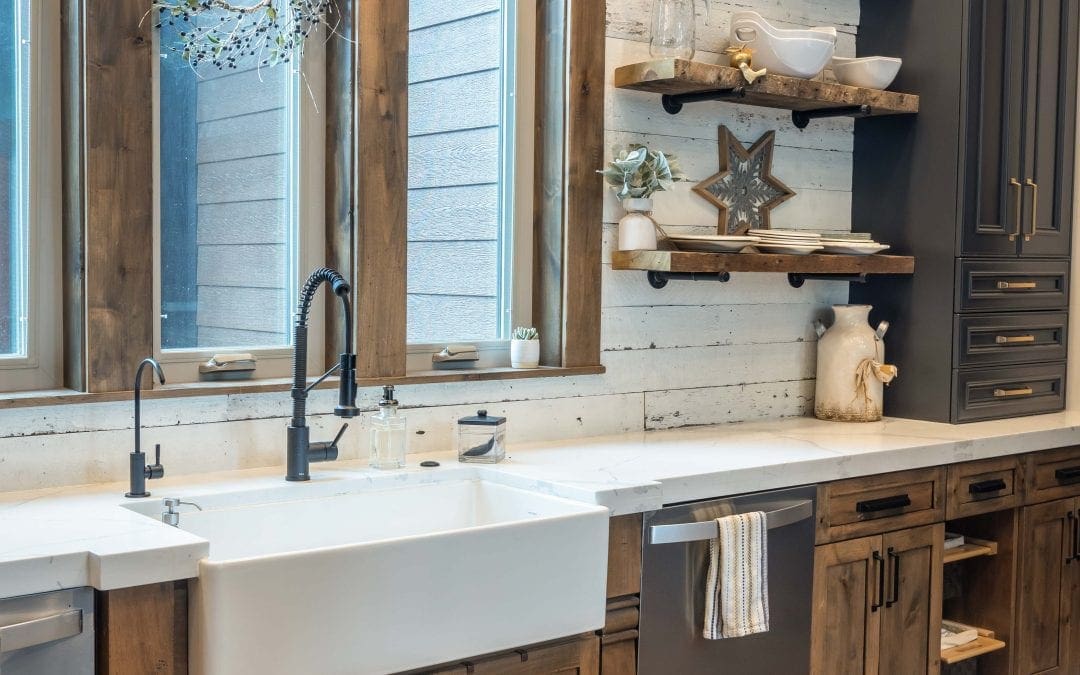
(848, 595)
(911, 620)
(1045, 590)
(993, 152)
(1050, 128)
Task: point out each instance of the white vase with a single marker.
(637, 229)
(850, 367)
(524, 353)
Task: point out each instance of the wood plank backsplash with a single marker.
(692, 353)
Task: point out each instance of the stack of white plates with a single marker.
(853, 243)
(787, 242)
(712, 243)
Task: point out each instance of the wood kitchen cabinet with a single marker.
(1047, 637)
(580, 656)
(979, 188)
(877, 604)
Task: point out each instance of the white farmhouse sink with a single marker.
(379, 581)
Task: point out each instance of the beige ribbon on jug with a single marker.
(870, 369)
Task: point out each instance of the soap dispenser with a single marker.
(388, 434)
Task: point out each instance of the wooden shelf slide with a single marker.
(984, 644)
(692, 80)
(972, 548)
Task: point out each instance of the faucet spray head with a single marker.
(346, 407)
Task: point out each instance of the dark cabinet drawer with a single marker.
(993, 285)
(990, 393)
(1002, 339)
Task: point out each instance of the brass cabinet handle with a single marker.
(1019, 198)
(1014, 285)
(1009, 393)
(1034, 207)
(1014, 339)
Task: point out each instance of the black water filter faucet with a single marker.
(139, 471)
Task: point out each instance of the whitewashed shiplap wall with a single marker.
(692, 353)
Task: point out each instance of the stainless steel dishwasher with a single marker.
(674, 563)
(48, 634)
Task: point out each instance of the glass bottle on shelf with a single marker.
(673, 24)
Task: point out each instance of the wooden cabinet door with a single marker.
(1050, 126)
(1047, 590)
(991, 147)
(576, 657)
(849, 586)
(911, 617)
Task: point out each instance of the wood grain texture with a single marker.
(961, 502)
(379, 271)
(911, 618)
(624, 556)
(839, 517)
(72, 65)
(677, 76)
(1041, 473)
(112, 74)
(687, 261)
(143, 630)
(846, 627)
(579, 656)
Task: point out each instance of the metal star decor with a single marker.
(744, 190)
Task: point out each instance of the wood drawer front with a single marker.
(991, 285)
(1005, 339)
(982, 487)
(861, 507)
(1053, 474)
(1013, 391)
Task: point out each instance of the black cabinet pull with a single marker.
(883, 504)
(1070, 555)
(984, 486)
(1068, 475)
(1076, 537)
(895, 558)
(879, 564)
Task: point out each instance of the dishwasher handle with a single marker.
(705, 531)
(41, 631)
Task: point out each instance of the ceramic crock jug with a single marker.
(851, 370)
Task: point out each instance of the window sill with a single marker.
(33, 399)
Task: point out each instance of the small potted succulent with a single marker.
(637, 173)
(525, 348)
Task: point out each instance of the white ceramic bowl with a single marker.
(794, 53)
(871, 72)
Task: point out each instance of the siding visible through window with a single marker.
(456, 228)
(14, 239)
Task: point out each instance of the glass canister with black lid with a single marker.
(481, 438)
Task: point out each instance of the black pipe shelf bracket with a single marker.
(673, 103)
(801, 118)
(658, 279)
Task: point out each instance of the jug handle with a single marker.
(819, 327)
(882, 328)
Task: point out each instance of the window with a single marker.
(239, 207)
(470, 174)
(29, 195)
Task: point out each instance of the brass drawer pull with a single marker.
(1009, 393)
(1015, 285)
(1034, 208)
(1014, 339)
(1019, 199)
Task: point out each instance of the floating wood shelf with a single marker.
(681, 82)
(984, 644)
(972, 548)
(663, 266)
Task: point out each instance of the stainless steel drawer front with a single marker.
(686, 532)
(42, 631)
(48, 633)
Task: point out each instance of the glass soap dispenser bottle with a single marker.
(388, 434)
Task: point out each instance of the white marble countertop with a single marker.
(82, 536)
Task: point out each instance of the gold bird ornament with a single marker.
(742, 58)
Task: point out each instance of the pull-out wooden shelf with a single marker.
(984, 644)
(682, 81)
(666, 265)
(973, 548)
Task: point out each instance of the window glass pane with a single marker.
(14, 235)
(228, 211)
(459, 272)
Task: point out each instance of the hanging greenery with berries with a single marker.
(227, 35)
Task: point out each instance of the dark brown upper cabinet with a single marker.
(1019, 131)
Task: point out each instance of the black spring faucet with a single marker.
(138, 470)
(301, 451)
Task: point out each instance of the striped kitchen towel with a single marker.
(737, 584)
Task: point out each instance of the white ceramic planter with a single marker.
(525, 353)
(850, 370)
(637, 229)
